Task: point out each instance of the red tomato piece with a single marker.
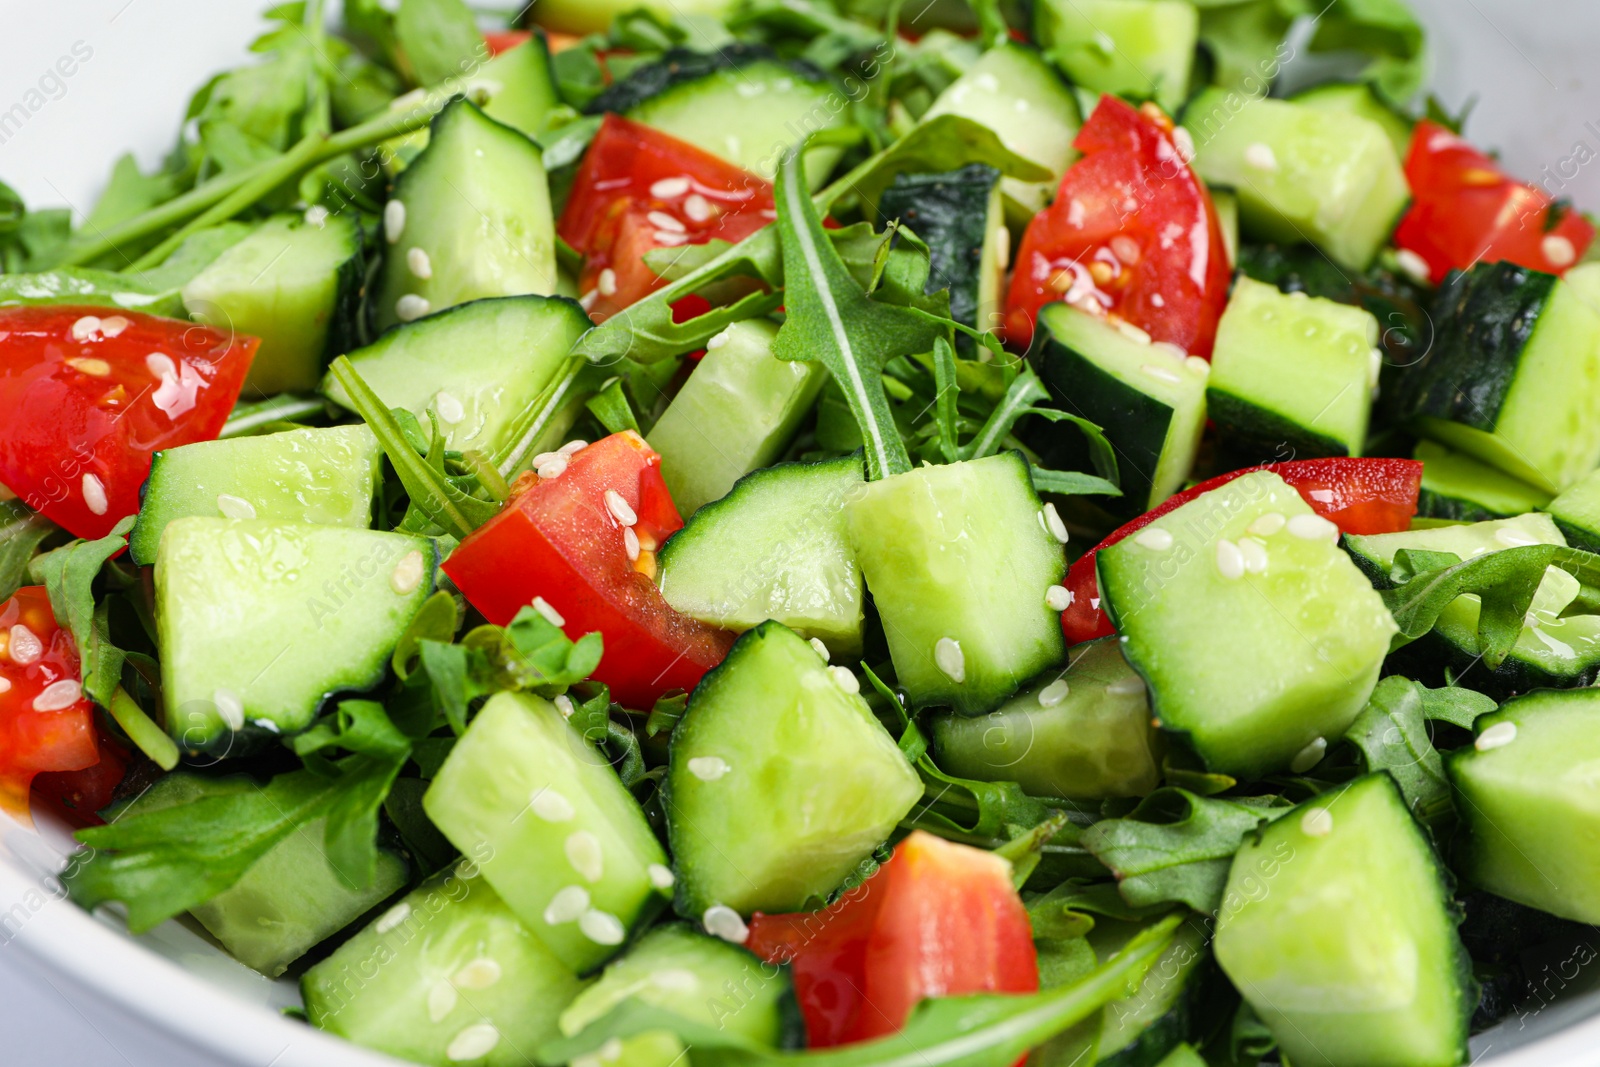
(46, 723)
(939, 919)
(1361, 495)
(1465, 209)
(1132, 233)
(639, 189)
(505, 40)
(87, 396)
(78, 796)
(563, 539)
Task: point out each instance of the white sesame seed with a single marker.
(821, 649)
(1002, 247)
(660, 876)
(1267, 525)
(606, 283)
(950, 660)
(392, 918)
(1058, 598)
(1020, 104)
(553, 467)
(1126, 686)
(568, 904)
(610, 1050)
(563, 704)
(550, 805)
(619, 508)
(988, 82)
(1255, 555)
(1413, 264)
(1154, 538)
(583, 852)
(1312, 528)
(668, 188)
(602, 927)
(113, 325)
(1512, 538)
(473, 1042)
(411, 307)
(1261, 157)
(394, 220)
(572, 448)
(551, 615)
(697, 207)
(235, 507)
(1559, 250)
(1230, 561)
(94, 494)
(442, 999)
(1054, 693)
(546, 457)
(407, 574)
(94, 368)
(1497, 736)
(1183, 141)
(722, 921)
(675, 980)
(1131, 332)
(630, 543)
(5, 685)
(663, 221)
(480, 973)
(25, 646)
(419, 263)
(586, 301)
(58, 696)
(845, 680)
(1161, 374)
(230, 708)
(1197, 365)
(670, 238)
(708, 768)
(85, 327)
(719, 339)
(316, 215)
(1309, 756)
(1318, 822)
(1053, 523)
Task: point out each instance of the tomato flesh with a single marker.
(87, 397)
(939, 919)
(505, 40)
(78, 796)
(46, 724)
(639, 189)
(1466, 209)
(1361, 495)
(561, 539)
(1132, 233)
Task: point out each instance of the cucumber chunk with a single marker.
(1464, 489)
(469, 218)
(780, 780)
(1512, 377)
(960, 216)
(480, 365)
(294, 284)
(1357, 98)
(702, 979)
(1083, 733)
(1530, 804)
(1302, 173)
(325, 476)
(448, 976)
(1374, 553)
(958, 558)
(1577, 512)
(1292, 372)
(260, 621)
(1138, 48)
(559, 838)
(1150, 403)
(595, 16)
(1254, 632)
(1338, 928)
(777, 547)
(735, 414)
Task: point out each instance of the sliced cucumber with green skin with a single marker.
(325, 476)
(1256, 635)
(1529, 803)
(960, 217)
(469, 218)
(959, 558)
(1338, 928)
(1584, 279)
(1302, 173)
(296, 285)
(1464, 489)
(1512, 377)
(448, 976)
(1012, 90)
(735, 414)
(1149, 401)
(1374, 553)
(558, 836)
(1292, 374)
(1577, 512)
(777, 547)
(1143, 1028)
(701, 979)
(260, 621)
(1082, 733)
(1138, 48)
(1357, 98)
(480, 365)
(780, 780)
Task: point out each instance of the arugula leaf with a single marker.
(1246, 40)
(545, 655)
(1393, 736)
(21, 533)
(439, 39)
(664, 716)
(612, 408)
(1072, 483)
(1387, 31)
(68, 575)
(379, 749)
(1454, 705)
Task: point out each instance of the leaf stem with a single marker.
(142, 730)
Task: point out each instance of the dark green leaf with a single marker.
(1025, 850)
(548, 655)
(436, 621)
(1387, 32)
(945, 417)
(664, 716)
(1072, 483)
(1393, 736)
(403, 805)
(610, 405)
(1454, 705)
(68, 575)
(21, 533)
(439, 39)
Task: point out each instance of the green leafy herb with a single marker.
(21, 533)
(68, 575)
(1454, 705)
(612, 407)
(439, 39)
(1393, 736)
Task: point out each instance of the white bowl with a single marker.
(76, 988)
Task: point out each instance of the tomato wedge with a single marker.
(78, 796)
(505, 40)
(1132, 233)
(46, 723)
(86, 397)
(563, 545)
(1466, 209)
(939, 919)
(1361, 495)
(639, 189)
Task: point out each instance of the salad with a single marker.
(767, 531)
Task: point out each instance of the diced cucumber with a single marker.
(735, 414)
(959, 215)
(958, 558)
(469, 218)
(1148, 400)
(259, 621)
(780, 780)
(1464, 489)
(1302, 173)
(1082, 733)
(777, 547)
(1338, 928)
(558, 836)
(325, 476)
(1512, 376)
(1137, 48)
(1014, 92)
(1256, 635)
(702, 979)
(294, 284)
(1357, 98)
(1374, 553)
(480, 365)
(1292, 372)
(595, 16)
(448, 976)
(1530, 804)
(1584, 279)
(1577, 512)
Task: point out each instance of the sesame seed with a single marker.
(1130, 331)
(1255, 555)
(1309, 756)
(553, 466)
(583, 852)
(1499, 735)
(1198, 365)
(1267, 525)
(480, 973)
(844, 679)
(660, 876)
(449, 408)
(663, 221)
(563, 704)
(547, 457)
(230, 708)
(94, 494)
(1312, 528)
(419, 263)
(1413, 264)
(708, 768)
(722, 921)
(392, 918)
(235, 507)
(1183, 141)
(442, 1000)
(1058, 598)
(950, 660)
(572, 448)
(86, 327)
(719, 339)
(821, 649)
(569, 903)
(25, 646)
(1002, 247)
(602, 927)
(586, 301)
(1512, 538)
(113, 325)
(1161, 374)
(619, 508)
(551, 615)
(988, 83)
(411, 307)
(58, 696)
(1126, 686)
(670, 238)
(610, 1050)
(668, 188)
(473, 1042)
(1167, 348)
(407, 574)
(607, 282)
(550, 805)
(316, 215)
(675, 980)
(5, 685)
(1230, 561)
(697, 207)
(1261, 157)
(1054, 693)
(1020, 104)
(1559, 250)
(1154, 538)
(630, 543)
(394, 220)
(1053, 523)
(1318, 822)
